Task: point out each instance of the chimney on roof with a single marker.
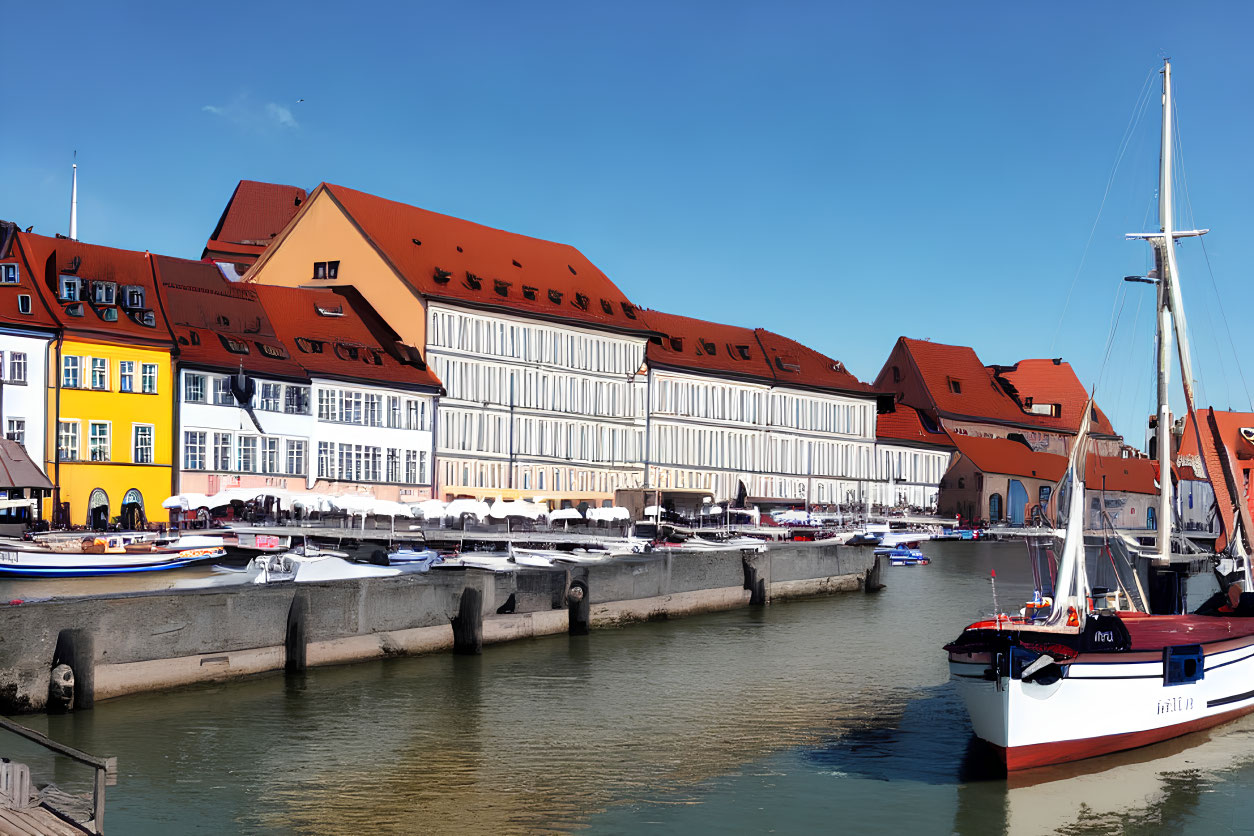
(74, 201)
(1057, 361)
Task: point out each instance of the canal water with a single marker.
(830, 714)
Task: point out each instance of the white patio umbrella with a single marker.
(430, 509)
(653, 511)
(459, 507)
(609, 514)
(565, 514)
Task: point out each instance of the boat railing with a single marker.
(105, 768)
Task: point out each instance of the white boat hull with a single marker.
(1101, 705)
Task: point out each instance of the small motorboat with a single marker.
(95, 556)
(417, 560)
(905, 556)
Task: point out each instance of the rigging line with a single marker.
(1223, 315)
(1136, 321)
(1138, 110)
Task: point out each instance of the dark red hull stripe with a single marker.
(1044, 754)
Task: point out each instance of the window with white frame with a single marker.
(67, 441)
(221, 451)
(70, 372)
(394, 412)
(17, 367)
(394, 465)
(270, 455)
(141, 444)
(194, 388)
(246, 454)
(327, 405)
(326, 460)
(411, 467)
(222, 392)
(99, 373)
(16, 430)
(126, 376)
(351, 407)
(295, 457)
(148, 381)
(271, 397)
(70, 289)
(193, 450)
(374, 411)
(411, 414)
(422, 467)
(296, 400)
(8, 274)
(98, 441)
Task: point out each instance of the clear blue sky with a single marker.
(840, 174)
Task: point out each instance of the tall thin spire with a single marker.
(74, 201)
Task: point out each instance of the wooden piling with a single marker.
(296, 641)
(579, 609)
(76, 649)
(468, 623)
(871, 579)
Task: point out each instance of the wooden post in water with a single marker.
(297, 639)
(871, 580)
(578, 609)
(468, 623)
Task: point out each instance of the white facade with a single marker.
(712, 434)
(324, 436)
(23, 392)
(535, 407)
(908, 476)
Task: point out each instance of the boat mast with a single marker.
(1163, 262)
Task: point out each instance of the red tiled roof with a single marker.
(294, 312)
(90, 262)
(29, 274)
(942, 367)
(1053, 382)
(1013, 458)
(799, 365)
(697, 345)
(254, 215)
(200, 304)
(906, 424)
(705, 346)
(448, 258)
(1119, 474)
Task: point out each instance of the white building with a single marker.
(26, 330)
(540, 354)
(747, 414)
(911, 457)
(309, 368)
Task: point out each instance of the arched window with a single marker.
(994, 507)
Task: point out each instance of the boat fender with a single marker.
(379, 557)
(60, 688)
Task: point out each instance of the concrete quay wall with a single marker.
(145, 641)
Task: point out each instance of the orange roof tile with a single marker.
(907, 424)
(959, 384)
(1113, 473)
(201, 304)
(93, 263)
(254, 215)
(332, 337)
(29, 274)
(448, 258)
(798, 365)
(1052, 382)
(1013, 458)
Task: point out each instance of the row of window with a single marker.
(714, 401)
(821, 415)
(100, 441)
(365, 463)
(270, 397)
(716, 447)
(488, 432)
(350, 406)
(93, 373)
(532, 388)
(535, 477)
(242, 453)
(533, 343)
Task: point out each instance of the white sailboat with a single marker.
(1080, 679)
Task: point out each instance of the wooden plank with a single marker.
(13, 823)
(49, 743)
(37, 821)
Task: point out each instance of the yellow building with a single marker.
(110, 385)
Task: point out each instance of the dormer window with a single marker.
(322, 269)
(277, 352)
(629, 310)
(23, 303)
(741, 351)
(345, 351)
(224, 321)
(581, 301)
(555, 296)
(472, 281)
(104, 293)
(530, 292)
(70, 289)
(677, 343)
(501, 287)
(8, 274)
(705, 347)
(955, 385)
(132, 297)
(336, 311)
(146, 318)
(656, 340)
(607, 307)
(109, 314)
(74, 310)
(233, 345)
(787, 364)
(309, 346)
(441, 276)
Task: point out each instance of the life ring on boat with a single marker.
(1073, 618)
